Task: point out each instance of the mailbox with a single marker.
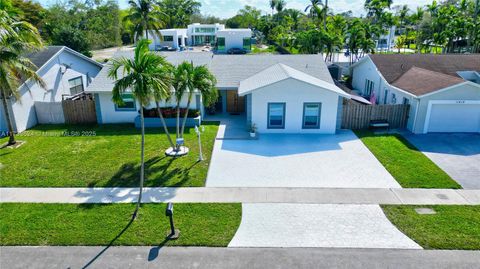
(169, 210)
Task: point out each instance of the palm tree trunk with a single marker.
(325, 15)
(142, 164)
(11, 139)
(186, 113)
(178, 119)
(164, 125)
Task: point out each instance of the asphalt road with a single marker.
(182, 257)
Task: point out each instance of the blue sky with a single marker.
(228, 8)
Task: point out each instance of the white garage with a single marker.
(453, 116)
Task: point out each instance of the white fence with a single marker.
(49, 112)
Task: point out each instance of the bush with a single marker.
(169, 112)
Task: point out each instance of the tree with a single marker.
(17, 38)
(178, 13)
(145, 15)
(273, 5)
(73, 38)
(416, 18)
(188, 79)
(280, 5)
(144, 77)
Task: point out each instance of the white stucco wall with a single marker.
(24, 115)
(176, 33)
(110, 115)
(234, 37)
(294, 93)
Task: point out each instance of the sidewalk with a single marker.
(197, 257)
(241, 195)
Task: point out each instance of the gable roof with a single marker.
(42, 57)
(393, 66)
(419, 81)
(280, 72)
(228, 69)
(231, 69)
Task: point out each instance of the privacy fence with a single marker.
(357, 116)
(79, 111)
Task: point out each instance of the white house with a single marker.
(233, 38)
(277, 93)
(203, 34)
(65, 72)
(443, 90)
(174, 38)
(386, 41)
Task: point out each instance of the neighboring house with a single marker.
(277, 93)
(203, 34)
(386, 42)
(66, 73)
(443, 90)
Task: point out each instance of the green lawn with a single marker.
(410, 167)
(452, 227)
(94, 224)
(111, 157)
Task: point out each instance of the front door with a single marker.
(235, 103)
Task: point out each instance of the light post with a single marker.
(200, 156)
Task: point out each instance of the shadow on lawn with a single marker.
(151, 256)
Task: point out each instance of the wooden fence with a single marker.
(79, 111)
(356, 116)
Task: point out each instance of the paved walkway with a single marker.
(241, 195)
(314, 225)
(212, 258)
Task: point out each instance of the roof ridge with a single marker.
(425, 70)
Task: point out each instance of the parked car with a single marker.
(166, 48)
(236, 51)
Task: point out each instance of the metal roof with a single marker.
(228, 69)
(280, 72)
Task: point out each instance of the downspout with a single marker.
(416, 114)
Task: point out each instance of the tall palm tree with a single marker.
(139, 76)
(145, 15)
(273, 5)
(416, 19)
(188, 79)
(280, 5)
(17, 38)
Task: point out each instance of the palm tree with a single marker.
(145, 15)
(280, 5)
(416, 19)
(144, 77)
(17, 38)
(402, 16)
(188, 79)
(273, 5)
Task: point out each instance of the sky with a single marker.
(228, 8)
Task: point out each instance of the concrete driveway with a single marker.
(283, 160)
(457, 154)
(313, 225)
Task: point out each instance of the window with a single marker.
(76, 85)
(168, 38)
(205, 30)
(128, 103)
(385, 97)
(394, 98)
(276, 115)
(405, 101)
(221, 43)
(311, 115)
(369, 85)
(247, 43)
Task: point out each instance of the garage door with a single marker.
(454, 118)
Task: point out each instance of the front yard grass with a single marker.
(452, 227)
(102, 156)
(96, 224)
(409, 166)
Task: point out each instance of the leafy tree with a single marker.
(17, 38)
(144, 77)
(73, 38)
